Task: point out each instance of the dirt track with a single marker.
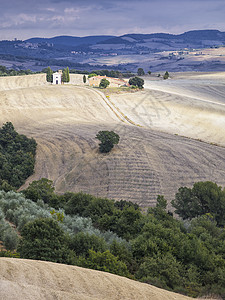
(35, 280)
(65, 119)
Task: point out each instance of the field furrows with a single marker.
(175, 114)
(64, 121)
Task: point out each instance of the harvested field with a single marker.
(65, 119)
(191, 106)
(29, 279)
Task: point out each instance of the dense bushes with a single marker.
(17, 157)
(44, 239)
(204, 197)
(186, 257)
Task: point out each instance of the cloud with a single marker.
(87, 17)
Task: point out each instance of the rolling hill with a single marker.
(148, 161)
(29, 279)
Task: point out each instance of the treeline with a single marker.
(108, 73)
(153, 247)
(17, 157)
(11, 72)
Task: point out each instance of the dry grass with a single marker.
(37, 280)
(65, 119)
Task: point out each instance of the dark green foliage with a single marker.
(108, 139)
(43, 190)
(166, 269)
(184, 257)
(204, 197)
(104, 83)
(166, 75)
(137, 81)
(49, 75)
(149, 72)
(11, 72)
(66, 75)
(5, 186)
(17, 157)
(92, 75)
(106, 262)
(82, 242)
(43, 239)
(9, 254)
(84, 79)
(140, 72)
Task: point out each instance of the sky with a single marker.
(24, 19)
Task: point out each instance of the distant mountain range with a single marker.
(72, 40)
(199, 37)
(156, 52)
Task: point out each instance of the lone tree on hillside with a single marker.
(49, 75)
(104, 83)
(136, 81)
(108, 139)
(140, 72)
(166, 75)
(84, 79)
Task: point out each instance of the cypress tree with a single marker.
(67, 74)
(49, 75)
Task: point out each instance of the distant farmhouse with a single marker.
(114, 82)
(57, 77)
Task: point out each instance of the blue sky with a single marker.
(47, 18)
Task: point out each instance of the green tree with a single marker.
(49, 75)
(106, 262)
(166, 75)
(108, 139)
(43, 239)
(104, 83)
(67, 75)
(82, 242)
(149, 72)
(140, 72)
(204, 197)
(84, 79)
(92, 75)
(17, 157)
(42, 189)
(165, 268)
(136, 81)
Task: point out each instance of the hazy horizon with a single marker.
(25, 19)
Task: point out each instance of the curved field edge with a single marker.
(29, 279)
